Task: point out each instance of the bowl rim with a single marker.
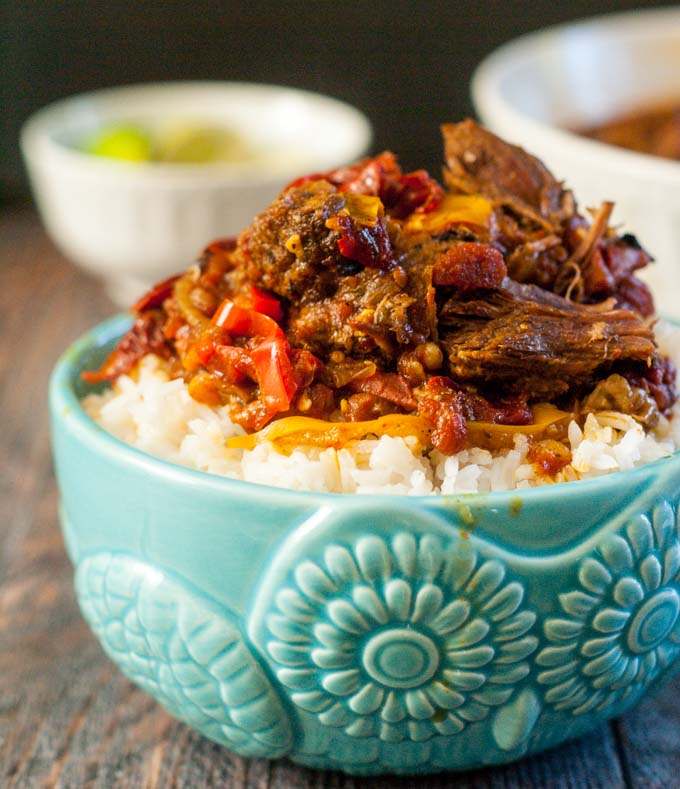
(35, 139)
(65, 405)
(488, 100)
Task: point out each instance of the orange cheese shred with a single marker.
(469, 210)
(291, 432)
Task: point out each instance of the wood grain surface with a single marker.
(68, 718)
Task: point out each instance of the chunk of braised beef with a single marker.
(624, 256)
(306, 366)
(501, 302)
(526, 340)
(369, 316)
(289, 250)
(537, 261)
(322, 326)
(598, 280)
(572, 231)
(634, 294)
(479, 162)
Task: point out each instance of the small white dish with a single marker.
(536, 90)
(132, 223)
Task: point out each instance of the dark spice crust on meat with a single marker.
(366, 291)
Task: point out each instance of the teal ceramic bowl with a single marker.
(368, 634)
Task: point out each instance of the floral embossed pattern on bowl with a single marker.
(369, 634)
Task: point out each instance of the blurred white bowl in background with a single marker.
(133, 223)
(533, 90)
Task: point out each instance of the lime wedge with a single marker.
(122, 142)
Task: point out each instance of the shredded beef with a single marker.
(375, 292)
(524, 340)
(479, 162)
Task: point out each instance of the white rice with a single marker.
(158, 416)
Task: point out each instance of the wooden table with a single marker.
(68, 717)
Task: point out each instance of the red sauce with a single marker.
(654, 130)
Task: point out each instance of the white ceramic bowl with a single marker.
(133, 224)
(535, 89)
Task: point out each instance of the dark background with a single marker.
(406, 64)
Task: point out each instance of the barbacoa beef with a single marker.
(289, 250)
(380, 299)
(544, 239)
(522, 339)
(480, 163)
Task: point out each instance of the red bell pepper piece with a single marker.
(274, 372)
(244, 322)
(271, 356)
(266, 303)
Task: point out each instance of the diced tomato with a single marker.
(469, 266)
(419, 193)
(369, 246)
(390, 386)
(443, 407)
(401, 193)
